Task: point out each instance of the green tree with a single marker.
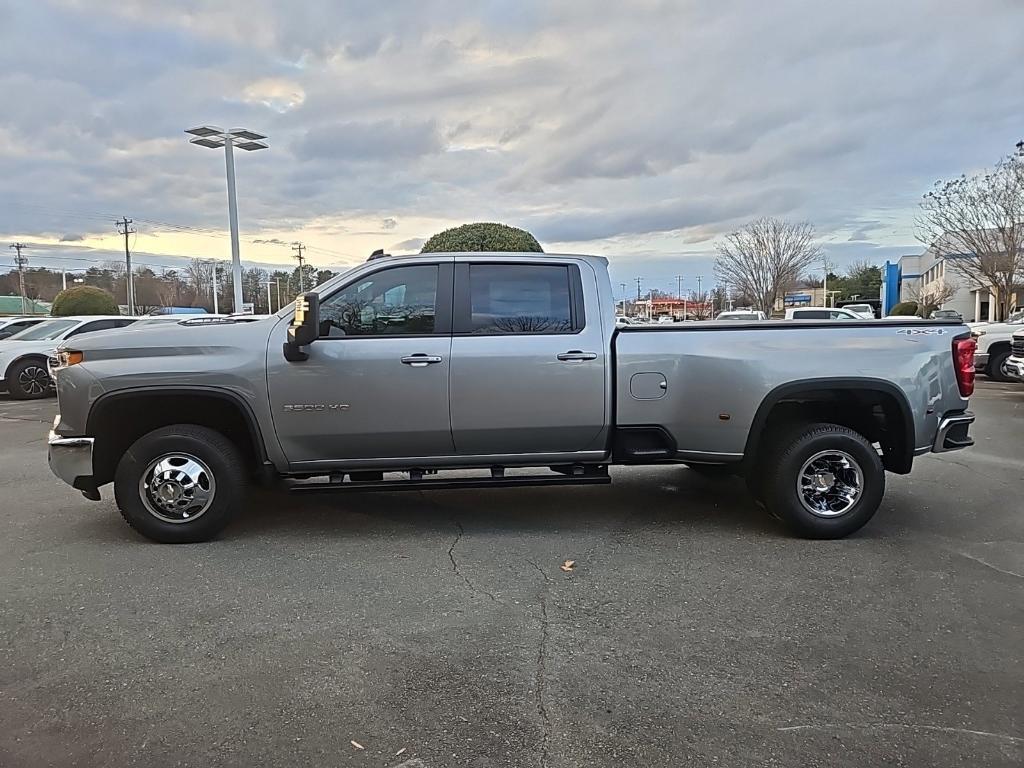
(84, 300)
(487, 237)
(862, 279)
(904, 309)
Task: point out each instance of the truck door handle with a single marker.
(575, 354)
(420, 360)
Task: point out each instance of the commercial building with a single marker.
(928, 273)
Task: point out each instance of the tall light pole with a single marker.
(212, 137)
(270, 310)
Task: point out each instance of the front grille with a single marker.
(1018, 346)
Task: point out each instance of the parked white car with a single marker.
(743, 315)
(994, 347)
(823, 313)
(12, 325)
(865, 311)
(23, 356)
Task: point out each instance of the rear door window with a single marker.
(518, 299)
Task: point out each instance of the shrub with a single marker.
(84, 300)
(482, 237)
(904, 308)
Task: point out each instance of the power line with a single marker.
(20, 262)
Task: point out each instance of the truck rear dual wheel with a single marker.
(823, 481)
(180, 484)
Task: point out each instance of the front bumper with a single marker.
(1015, 367)
(954, 432)
(980, 361)
(70, 459)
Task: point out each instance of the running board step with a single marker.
(448, 485)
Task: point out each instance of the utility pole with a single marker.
(129, 283)
(278, 281)
(824, 282)
(298, 248)
(20, 262)
(213, 267)
(638, 288)
(269, 305)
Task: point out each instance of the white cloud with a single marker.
(647, 129)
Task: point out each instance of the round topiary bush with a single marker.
(84, 300)
(482, 237)
(904, 308)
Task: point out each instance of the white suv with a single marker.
(822, 313)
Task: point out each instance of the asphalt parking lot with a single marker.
(691, 631)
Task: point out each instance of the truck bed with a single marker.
(705, 383)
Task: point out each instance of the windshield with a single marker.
(859, 307)
(45, 331)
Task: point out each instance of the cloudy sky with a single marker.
(640, 130)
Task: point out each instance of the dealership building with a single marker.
(928, 272)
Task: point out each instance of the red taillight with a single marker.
(963, 362)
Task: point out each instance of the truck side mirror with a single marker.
(305, 327)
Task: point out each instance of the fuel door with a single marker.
(648, 385)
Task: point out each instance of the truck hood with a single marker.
(173, 339)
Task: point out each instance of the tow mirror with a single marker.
(305, 327)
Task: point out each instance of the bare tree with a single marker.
(977, 223)
(811, 280)
(932, 297)
(699, 305)
(765, 257)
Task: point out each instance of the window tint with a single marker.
(519, 298)
(812, 314)
(95, 325)
(391, 302)
(46, 330)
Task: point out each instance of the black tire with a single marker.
(29, 380)
(225, 481)
(783, 469)
(994, 369)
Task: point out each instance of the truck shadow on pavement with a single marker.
(666, 498)
(671, 497)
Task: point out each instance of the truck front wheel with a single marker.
(825, 482)
(180, 484)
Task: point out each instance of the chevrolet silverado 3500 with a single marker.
(423, 364)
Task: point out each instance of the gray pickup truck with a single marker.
(404, 368)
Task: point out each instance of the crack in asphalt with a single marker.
(540, 571)
(458, 571)
(541, 678)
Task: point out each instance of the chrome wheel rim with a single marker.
(34, 380)
(830, 483)
(177, 488)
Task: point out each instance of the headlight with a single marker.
(68, 357)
